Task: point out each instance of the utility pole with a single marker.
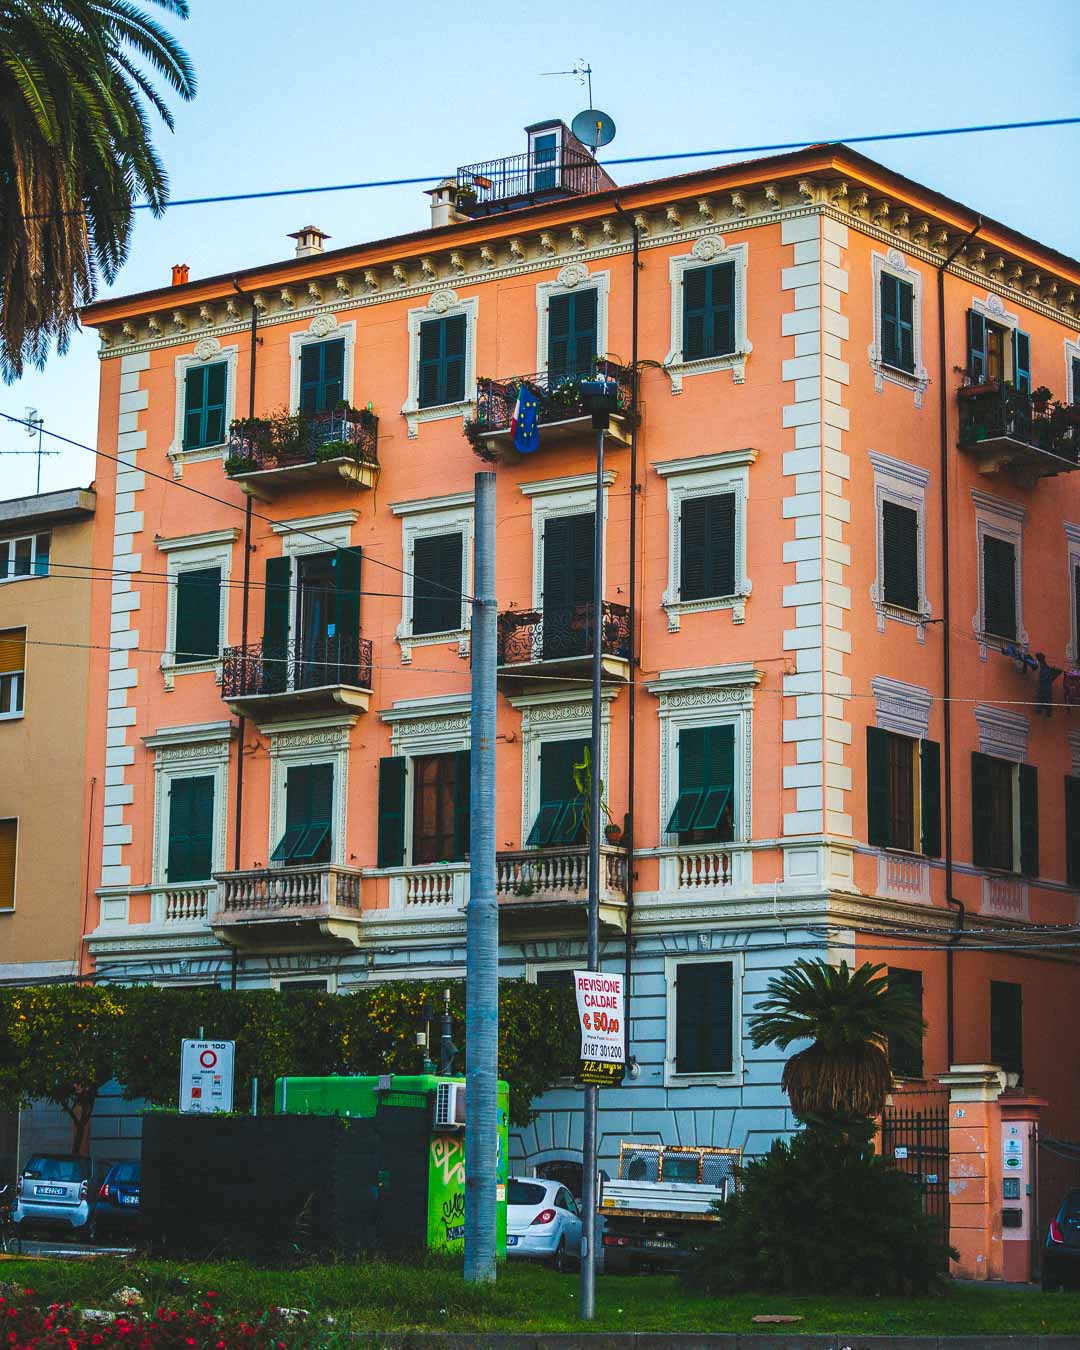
(482, 917)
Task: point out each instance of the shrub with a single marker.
(821, 1214)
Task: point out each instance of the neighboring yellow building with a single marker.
(45, 598)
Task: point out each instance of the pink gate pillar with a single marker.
(989, 1146)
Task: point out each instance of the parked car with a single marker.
(1061, 1251)
(54, 1191)
(542, 1221)
(116, 1213)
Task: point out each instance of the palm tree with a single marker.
(75, 154)
(850, 1016)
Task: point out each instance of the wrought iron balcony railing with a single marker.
(260, 669)
(559, 397)
(261, 443)
(562, 633)
(537, 174)
(999, 412)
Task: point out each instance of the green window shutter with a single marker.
(572, 337)
(558, 337)
(198, 614)
(906, 325)
(430, 363)
(309, 803)
(462, 762)
(722, 298)
(568, 561)
(1021, 361)
(437, 577)
(878, 806)
(906, 1061)
(442, 361)
(310, 371)
(333, 374)
(693, 533)
(706, 782)
(982, 810)
(191, 829)
(704, 1004)
(890, 319)
(930, 797)
(695, 313)
(999, 587)
(214, 428)
(454, 335)
(1029, 820)
(1072, 830)
(583, 349)
(976, 336)
(1076, 599)
(557, 760)
(707, 547)
(322, 375)
(900, 550)
(344, 647)
(1007, 1026)
(392, 811)
(275, 643)
(1076, 381)
(708, 311)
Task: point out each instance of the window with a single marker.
(999, 587)
(707, 547)
(437, 577)
(439, 816)
(903, 777)
(906, 1061)
(12, 671)
(191, 829)
(708, 311)
(900, 555)
(442, 361)
(568, 585)
(555, 979)
(1072, 830)
(572, 330)
(997, 354)
(704, 809)
(204, 405)
(311, 622)
(561, 817)
(198, 615)
(24, 557)
(1007, 1027)
(1074, 367)
(304, 986)
(704, 1017)
(545, 152)
(897, 322)
(1005, 814)
(322, 375)
(9, 842)
(309, 802)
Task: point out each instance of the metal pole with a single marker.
(588, 1240)
(482, 921)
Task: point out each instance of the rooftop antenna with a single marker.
(34, 424)
(582, 70)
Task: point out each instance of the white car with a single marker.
(542, 1221)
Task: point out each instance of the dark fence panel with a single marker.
(1057, 1170)
(916, 1141)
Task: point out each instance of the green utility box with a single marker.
(422, 1168)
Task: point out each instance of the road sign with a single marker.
(603, 1029)
(206, 1076)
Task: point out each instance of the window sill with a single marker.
(196, 455)
(678, 370)
(170, 670)
(732, 1078)
(675, 609)
(409, 640)
(13, 716)
(414, 414)
(915, 380)
(992, 642)
(24, 576)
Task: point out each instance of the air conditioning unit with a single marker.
(450, 1106)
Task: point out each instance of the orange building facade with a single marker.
(812, 747)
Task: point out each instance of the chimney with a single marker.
(444, 203)
(179, 274)
(309, 240)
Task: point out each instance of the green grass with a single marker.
(378, 1296)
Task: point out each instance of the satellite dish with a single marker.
(593, 128)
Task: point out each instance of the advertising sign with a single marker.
(601, 1017)
(206, 1076)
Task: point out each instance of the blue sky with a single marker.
(327, 91)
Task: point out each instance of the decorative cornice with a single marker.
(1001, 732)
(427, 709)
(742, 675)
(419, 504)
(902, 707)
(899, 469)
(197, 734)
(725, 459)
(179, 541)
(988, 504)
(547, 486)
(303, 524)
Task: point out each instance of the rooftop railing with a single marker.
(534, 174)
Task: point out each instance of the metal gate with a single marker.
(1055, 1170)
(916, 1141)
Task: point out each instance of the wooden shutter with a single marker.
(429, 386)
(707, 546)
(722, 303)
(198, 615)
(999, 587)
(906, 1061)
(1007, 1026)
(982, 810)
(976, 336)
(695, 315)
(214, 424)
(1029, 820)
(1072, 830)
(453, 374)
(890, 319)
(720, 557)
(275, 643)
(704, 993)
(930, 797)
(311, 359)
(900, 550)
(191, 829)
(1076, 600)
(462, 784)
(194, 406)
(693, 532)
(906, 325)
(437, 559)
(568, 561)
(1076, 381)
(1021, 344)
(12, 651)
(9, 845)
(333, 375)
(558, 356)
(878, 813)
(584, 341)
(344, 647)
(391, 852)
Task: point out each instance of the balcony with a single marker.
(298, 678)
(562, 415)
(270, 455)
(557, 643)
(288, 908)
(538, 175)
(1004, 428)
(544, 887)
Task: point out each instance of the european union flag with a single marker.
(525, 423)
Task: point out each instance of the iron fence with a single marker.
(260, 668)
(562, 632)
(259, 443)
(1001, 411)
(558, 395)
(916, 1142)
(536, 173)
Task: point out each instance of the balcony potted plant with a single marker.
(583, 786)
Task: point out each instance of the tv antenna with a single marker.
(582, 70)
(34, 425)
